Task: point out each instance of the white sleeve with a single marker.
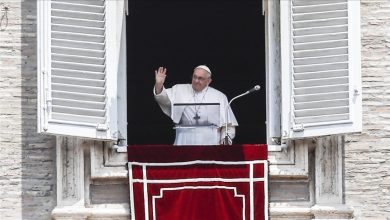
(163, 101)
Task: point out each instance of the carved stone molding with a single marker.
(328, 170)
(292, 162)
(324, 164)
(329, 202)
(332, 211)
(112, 158)
(106, 164)
(77, 159)
(290, 212)
(70, 172)
(109, 212)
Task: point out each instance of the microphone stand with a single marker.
(227, 138)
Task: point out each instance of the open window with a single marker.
(313, 79)
(228, 36)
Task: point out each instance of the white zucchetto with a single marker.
(204, 67)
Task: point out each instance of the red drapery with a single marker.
(198, 182)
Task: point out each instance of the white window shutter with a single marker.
(78, 65)
(321, 78)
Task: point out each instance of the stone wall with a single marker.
(367, 156)
(27, 160)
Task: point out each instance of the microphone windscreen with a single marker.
(257, 87)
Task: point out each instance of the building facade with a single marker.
(67, 177)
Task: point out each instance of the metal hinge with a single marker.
(298, 127)
(121, 146)
(356, 92)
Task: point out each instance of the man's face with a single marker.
(200, 79)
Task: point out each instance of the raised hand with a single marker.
(161, 74)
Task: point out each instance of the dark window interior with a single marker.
(228, 36)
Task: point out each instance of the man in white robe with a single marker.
(188, 105)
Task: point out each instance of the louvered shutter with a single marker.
(321, 79)
(78, 58)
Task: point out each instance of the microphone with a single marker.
(227, 137)
(254, 89)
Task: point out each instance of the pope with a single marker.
(200, 112)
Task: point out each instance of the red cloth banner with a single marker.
(198, 182)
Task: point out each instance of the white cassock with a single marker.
(193, 115)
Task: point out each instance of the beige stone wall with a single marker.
(27, 160)
(367, 156)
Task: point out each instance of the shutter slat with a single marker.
(77, 74)
(320, 60)
(320, 45)
(78, 103)
(320, 37)
(321, 30)
(78, 89)
(320, 22)
(318, 8)
(316, 2)
(77, 44)
(78, 96)
(78, 14)
(321, 89)
(78, 7)
(321, 104)
(78, 111)
(320, 67)
(320, 111)
(78, 81)
(78, 66)
(320, 15)
(77, 51)
(322, 118)
(82, 2)
(320, 52)
(79, 22)
(77, 118)
(77, 29)
(321, 97)
(78, 59)
(321, 82)
(321, 74)
(77, 37)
